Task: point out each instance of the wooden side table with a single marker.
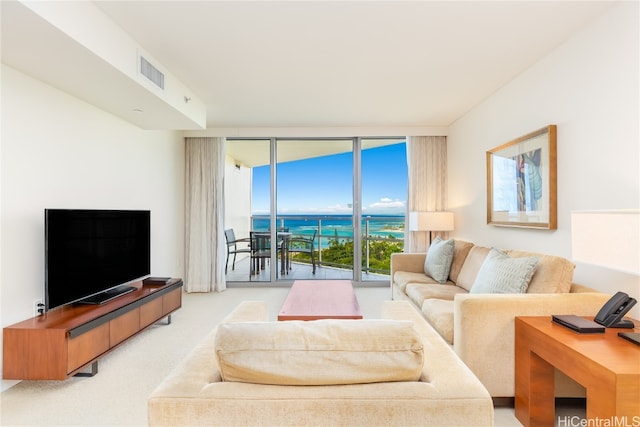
(605, 364)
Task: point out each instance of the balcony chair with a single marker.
(232, 247)
(303, 244)
(261, 251)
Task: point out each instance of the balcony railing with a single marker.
(382, 236)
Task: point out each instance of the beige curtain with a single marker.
(205, 247)
(427, 167)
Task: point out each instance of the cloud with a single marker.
(383, 206)
(387, 203)
(339, 208)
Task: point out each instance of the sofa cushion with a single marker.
(320, 352)
(460, 251)
(471, 266)
(501, 274)
(418, 292)
(438, 261)
(403, 278)
(553, 274)
(439, 313)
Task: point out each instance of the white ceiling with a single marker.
(346, 63)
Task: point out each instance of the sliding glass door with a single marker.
(383, 173)
(314, 200)
(247, 195)
(331, 208)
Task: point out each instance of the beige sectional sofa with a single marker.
(480, 326)
(444, 392)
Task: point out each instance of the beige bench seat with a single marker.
(446, 393)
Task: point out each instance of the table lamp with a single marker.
(430, 221)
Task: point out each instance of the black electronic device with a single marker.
(611, 314)
(578, 324)
(156, 281)
(91, 255)
(633, 337)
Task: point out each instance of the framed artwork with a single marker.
(522, 181)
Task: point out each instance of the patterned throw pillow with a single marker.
(438, 261)
(500, 274)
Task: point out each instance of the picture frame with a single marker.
(522, 181)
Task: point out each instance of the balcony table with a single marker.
(283, 239)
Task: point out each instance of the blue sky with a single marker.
(323, 185)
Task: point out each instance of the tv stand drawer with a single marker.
(151, 312)
(171, 301)
(87, 347)
(124, 326)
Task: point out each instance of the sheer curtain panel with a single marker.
(427, 166)
(204, 215)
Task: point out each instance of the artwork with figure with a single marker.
(529, 180)
(521, 181)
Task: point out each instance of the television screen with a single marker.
(91, 252)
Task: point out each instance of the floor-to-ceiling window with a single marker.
(333, 207)
(243, 158)
(314, 201)
(384, 194)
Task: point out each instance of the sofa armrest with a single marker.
(484, 330)
(248, 311)
(411, 262)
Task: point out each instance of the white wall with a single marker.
(588, 87)
(59, 152)
(237, 207)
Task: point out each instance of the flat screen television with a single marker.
(92, 256)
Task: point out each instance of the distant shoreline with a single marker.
(336, 226)
(393, 230)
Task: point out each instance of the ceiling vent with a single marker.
(151, 72)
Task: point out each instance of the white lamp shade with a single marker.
(430, 221)
(608, 238)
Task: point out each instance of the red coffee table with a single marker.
(320, 299)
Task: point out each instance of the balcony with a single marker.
(333, 246)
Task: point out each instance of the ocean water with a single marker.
(335, 225)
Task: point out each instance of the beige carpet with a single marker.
(117, 395)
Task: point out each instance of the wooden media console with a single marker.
(60, 343)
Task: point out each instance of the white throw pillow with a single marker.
(501, 274)
(439, 257)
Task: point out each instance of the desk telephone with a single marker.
(612, 312)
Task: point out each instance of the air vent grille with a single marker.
(151, 72)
